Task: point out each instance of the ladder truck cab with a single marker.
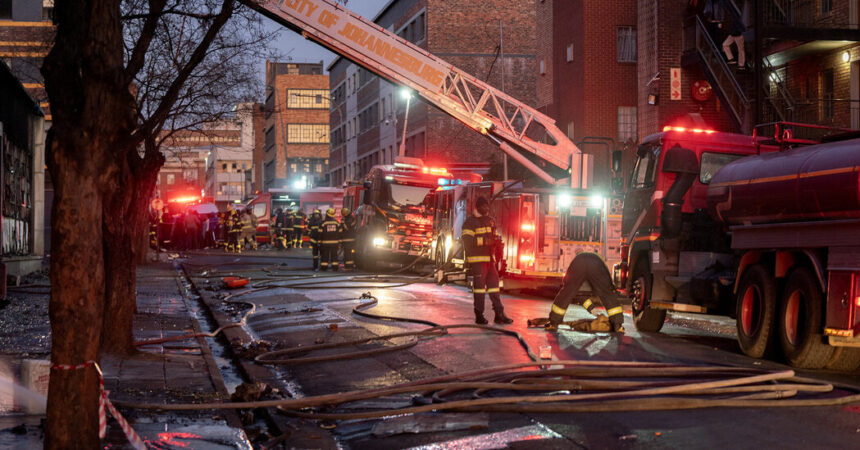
(395, 217)
(762, 228)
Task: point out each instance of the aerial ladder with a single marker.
(523, 133)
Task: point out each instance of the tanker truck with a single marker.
(762, 228)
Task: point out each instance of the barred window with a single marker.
(308, 98)
(826, 7)
(307, 133)
(626, 44)
(626, 123)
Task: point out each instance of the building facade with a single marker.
(492, 40)
(22, 163)
(227, 170)
(296, 126)
(802, 64)
(183, 174)
(587, 57)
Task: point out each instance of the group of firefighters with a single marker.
(326, 235)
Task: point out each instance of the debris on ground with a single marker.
(430, 423)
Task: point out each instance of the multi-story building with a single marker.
(586, 64)
(802, 64)
(227, 170)
(493, 40)
(184, 172)
(296, 133)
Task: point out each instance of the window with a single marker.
(259, 210)
(569, 52)
(308, 98)
(233, 166)
(827, 94)
(826, 7)
(307, 133)
(626, 44)
(224, 166)
(626, 123)
(306, 167)
(189, 174)
(318, 168)
(293, 168)
(712, 162)
(171, 178)
(570, 130)
(542, 67)
(643, 172)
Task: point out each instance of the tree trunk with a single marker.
(126, 222)
(77, 290)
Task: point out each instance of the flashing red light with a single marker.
(857, 301)
(435, 170)
(185, 199)
(691, 130)
(528, 227)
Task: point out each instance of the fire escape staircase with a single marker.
(700, 46)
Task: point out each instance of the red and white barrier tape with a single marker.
(132, 436)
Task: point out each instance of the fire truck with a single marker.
(761, 228)
(394, 210)
(263, 205)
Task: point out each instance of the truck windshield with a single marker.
(408, 195)
(712, 162)
(643, 173)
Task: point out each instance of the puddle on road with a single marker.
(501, 439)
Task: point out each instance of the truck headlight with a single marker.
(378, 242)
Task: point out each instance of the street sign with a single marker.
(675, 83)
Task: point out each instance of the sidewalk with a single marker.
(173, 372)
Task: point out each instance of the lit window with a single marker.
(171, 178)
(569, 52)
(542, 67)
(308, 98)
(307, 134)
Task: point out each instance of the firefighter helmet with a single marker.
(330, 212)
(317, 211)
(344, 212)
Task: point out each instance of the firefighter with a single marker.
(314, 225)
(288, 228)
(348, 225)
(249, 230)
(278, 229)
(329, 241)
(298, 228)
(588, 267)
(234, 230)
(154, 224)
(479, 241)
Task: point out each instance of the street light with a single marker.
(405, 93)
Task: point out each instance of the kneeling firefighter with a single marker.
(588, 267)
(329, 241)
(348, 226)
(479, 241)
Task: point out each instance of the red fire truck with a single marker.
(760, 228)
(394, 207)
(263, 205)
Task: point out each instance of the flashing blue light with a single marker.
(443, 181)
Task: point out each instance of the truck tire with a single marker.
(844, 359)
(646, 318)
(801, 321)
(439, 256)
(756, 312)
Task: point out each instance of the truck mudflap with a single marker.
(842, 338)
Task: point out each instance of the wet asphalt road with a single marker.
(291, 317)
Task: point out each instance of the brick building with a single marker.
(186, 151)
(587, 56)
(296, 121)
(807, 70)
(368, 114)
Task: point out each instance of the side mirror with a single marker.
(616, 161)
(680, 160)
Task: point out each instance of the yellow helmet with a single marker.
(317, 211)
(344, 212)
(330, 212)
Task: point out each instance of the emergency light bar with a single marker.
(692, 130)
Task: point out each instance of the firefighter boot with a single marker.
(501, 318)
(479, 318)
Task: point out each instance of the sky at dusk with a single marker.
(293, 45)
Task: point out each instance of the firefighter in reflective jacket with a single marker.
(329, 241)
(278, 222)
(288, 228)
(298, 228)
(314, 229)
(234, 231)
(479, 241)
(348, 226)
(588, 267)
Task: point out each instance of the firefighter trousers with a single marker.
(328, 254)
(485, 280)
(349, 254)
(595, 272)
(315, 251)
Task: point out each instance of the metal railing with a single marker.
(698, 39)
(777, 94)
(807, 14)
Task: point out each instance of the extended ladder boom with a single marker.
(516, 127)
